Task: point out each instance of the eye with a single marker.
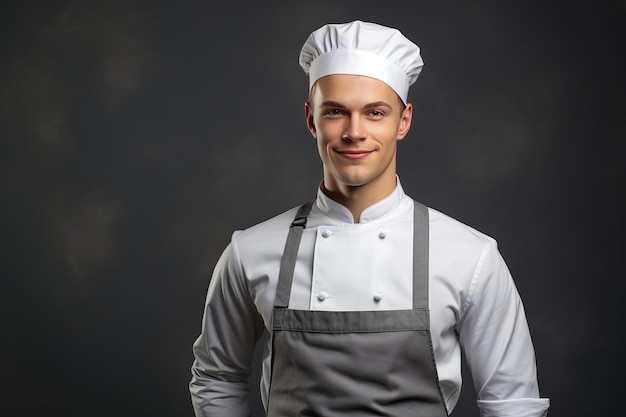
(376, 113)
(333, 113)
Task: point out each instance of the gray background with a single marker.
(136, 136)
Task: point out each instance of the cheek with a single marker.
(387, 133)
(322, 145)
(328, 129)
(326, 134)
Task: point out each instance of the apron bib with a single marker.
(354, 363)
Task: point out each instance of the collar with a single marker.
(339, 212)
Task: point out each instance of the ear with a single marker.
(308, 115)
(405, 121)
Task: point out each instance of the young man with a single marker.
(368, 296)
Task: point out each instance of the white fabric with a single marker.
(473, 301)
(514, 408)
(362, 48)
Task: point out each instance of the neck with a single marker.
(358, 198)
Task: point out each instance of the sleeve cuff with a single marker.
(522, 407)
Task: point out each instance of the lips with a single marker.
(354, 154)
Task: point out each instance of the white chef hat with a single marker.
(362, 48)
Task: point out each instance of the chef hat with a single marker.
(362, 48)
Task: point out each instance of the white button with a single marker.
(322, 296)
(378, 296)
(326, 233)
(382, 234)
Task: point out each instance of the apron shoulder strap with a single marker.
(290, 254)
(420, 255)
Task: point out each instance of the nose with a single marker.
(354, 131)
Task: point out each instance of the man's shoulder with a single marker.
(446, 227)
(266, 233)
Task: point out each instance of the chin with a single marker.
(355, 181)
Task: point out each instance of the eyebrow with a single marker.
(375, 104)
(378, 104)
(332, 104)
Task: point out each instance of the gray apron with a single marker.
(354, 363)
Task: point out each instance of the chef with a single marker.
(368, 297)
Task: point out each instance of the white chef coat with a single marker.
(347, 266)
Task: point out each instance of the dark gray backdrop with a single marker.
(136, 136)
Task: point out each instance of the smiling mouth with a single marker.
(354, 154)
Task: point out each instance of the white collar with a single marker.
(339, 212)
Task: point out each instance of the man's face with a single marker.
(357, 122)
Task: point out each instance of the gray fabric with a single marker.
(290, 255)
(351, 321)
(329, 374)
(354, 363)
(420, 255)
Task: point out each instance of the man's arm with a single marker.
(223, 351)
(497, 344)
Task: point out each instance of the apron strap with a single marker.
(290, 255)
(420, 256)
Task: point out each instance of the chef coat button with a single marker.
(378, 296)
(382, 234)
(326, 233)
(322, 296)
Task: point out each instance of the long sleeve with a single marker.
(495, 337)
(223, 351)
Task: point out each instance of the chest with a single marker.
(364, 267)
